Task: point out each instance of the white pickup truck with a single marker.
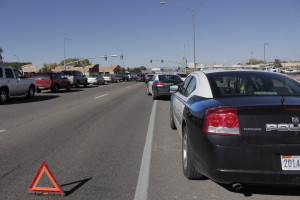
(13, 83)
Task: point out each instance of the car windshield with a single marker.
(169, 78)
(228, 84)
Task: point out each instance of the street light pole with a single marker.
(65, 51)
(194, 28)
(251, 58)
(265, 52)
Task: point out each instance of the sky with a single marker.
(227, 31)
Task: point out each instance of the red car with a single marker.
(51, 81)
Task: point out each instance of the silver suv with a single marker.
(13, 83)
(76, 78)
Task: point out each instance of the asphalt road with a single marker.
(106, 142)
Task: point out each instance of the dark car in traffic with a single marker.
(51, 81)
(159, 85)
(140, 78)
(239, 127)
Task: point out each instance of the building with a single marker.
(113, 69)
(29, 70)
(86, 70)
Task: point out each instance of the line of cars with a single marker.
(238, 127)
(13, 83)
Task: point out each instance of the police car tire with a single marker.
(172, 124)
(189, 171)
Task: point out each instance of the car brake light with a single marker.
(222, 121)
(160, 83)
(292, 109)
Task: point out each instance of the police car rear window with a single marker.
(228, 84)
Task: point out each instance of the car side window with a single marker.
(55, 76)
(9, 73)
(1, 73)
(191, 87)
(185, 84)
(17, 73)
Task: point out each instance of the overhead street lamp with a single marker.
(65, 51)
(265, 51)
(194, 29)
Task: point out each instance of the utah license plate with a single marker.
(290, 162)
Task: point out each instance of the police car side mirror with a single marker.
(173, 89)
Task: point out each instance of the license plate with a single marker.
(290, 162)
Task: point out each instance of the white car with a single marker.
(96, 80)
(13, 83)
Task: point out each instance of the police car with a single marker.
(239, 126)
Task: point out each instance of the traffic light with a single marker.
(150, 61)
(121, 56)
(105, 57)
(162, 61)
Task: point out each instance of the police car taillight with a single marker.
(222, 121)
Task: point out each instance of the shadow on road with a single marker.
(20, 100)
(164, 98)
(77, 185)
(249, 190)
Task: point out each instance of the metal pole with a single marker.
(251, 58)
(194, 29)
(264, 53)
(193, 15)
(65, 52)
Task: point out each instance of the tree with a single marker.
(122, 69)
(143, 68)
(254, 61)
(48, 67)
(277, 63)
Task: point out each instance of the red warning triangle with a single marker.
(45, 190)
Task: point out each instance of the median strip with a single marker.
(141, 191)
(101, 96)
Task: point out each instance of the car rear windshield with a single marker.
(228, 84)
(182, 75)
(169, 78)
(42, 75)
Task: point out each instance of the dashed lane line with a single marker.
(2, 130)
(101, 96)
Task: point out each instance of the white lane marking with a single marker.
(101, 96)
(141, 191)
(2, 130)
(128, 87)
